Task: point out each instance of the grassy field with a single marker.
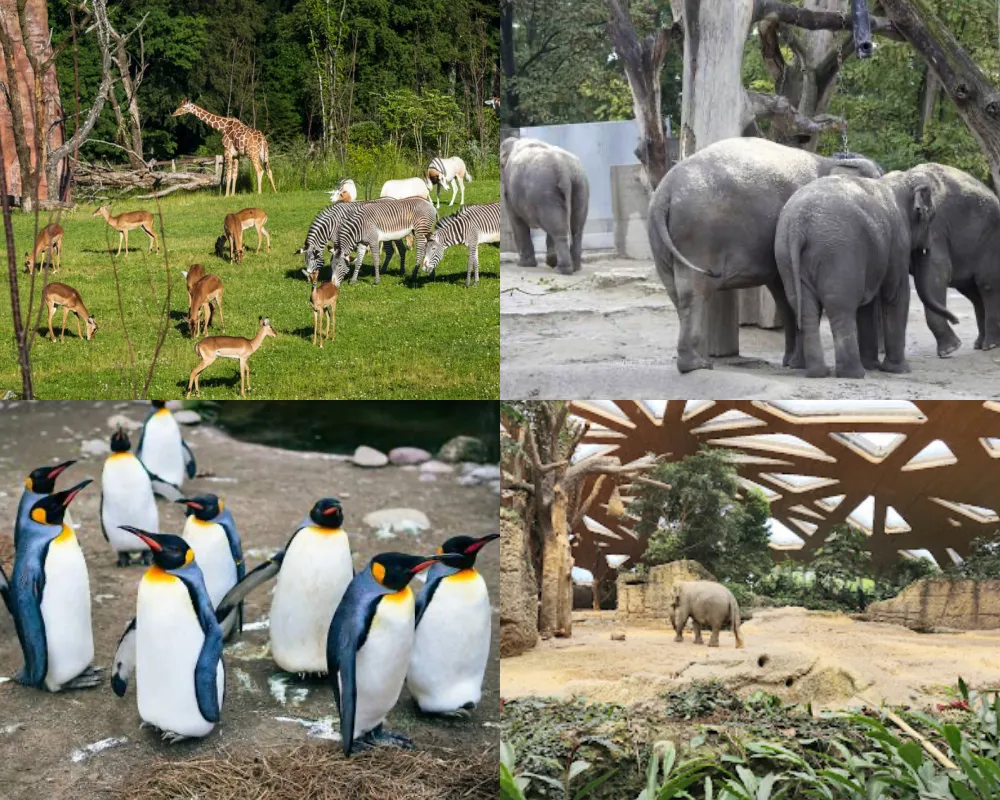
(437, 340)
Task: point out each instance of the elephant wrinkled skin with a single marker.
(708, 605)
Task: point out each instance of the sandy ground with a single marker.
(610, 331)
(269, 491)
(828, 659)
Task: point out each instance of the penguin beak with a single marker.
(456, 560)
(479, 544)
(65, 498)
(191, 504)
(57, 470)
(154, 545)
(425, 564)
(331, 510)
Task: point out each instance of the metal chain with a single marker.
(840, 67)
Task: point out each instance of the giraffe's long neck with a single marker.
(214, 120)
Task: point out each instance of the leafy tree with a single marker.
(983, 561)
(844, 558)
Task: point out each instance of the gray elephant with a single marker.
(843, 244)
(711, 227)
(964, 250)
(708, 605)
(544, 186)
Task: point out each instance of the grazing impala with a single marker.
(229, 347)
(49, 240)
(129, 221)
(254, 218)
(323, 300)
(194, 274)
(60, 295)
(232, 230)
(202, 294)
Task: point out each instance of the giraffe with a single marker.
(237, 139)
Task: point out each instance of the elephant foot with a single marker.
(821, 371)
(897, 367)
(989, 344)
(948, 346)
(577, 266)
(551, 260)
(871, 364)
(793, 361)
(713, 644)
(678, 638)
(853, 372)
(978, 345)
(527, 262)
(565, 270)
(699, 640)
(690, 363)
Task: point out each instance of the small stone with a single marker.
(618, 636)
(496, 486)
(462, 448)
(436, 467)
(95, 447)
(427, 477)
(366, 456)
(390, 521)
(127, 423)
(408, 455)
(187, 416)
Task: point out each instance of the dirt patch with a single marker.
(610, 331)
(828, 659)
(44, 738)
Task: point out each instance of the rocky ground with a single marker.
(827, 659)
(610, 331)
(85, 744)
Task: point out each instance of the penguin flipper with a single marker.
(29, 622)
(5, 590)
(206, 670)
(253, 579)
(165, 489)
(348, 632)
(190, 466)
(225, 519)
(100, 516)
(124, 660)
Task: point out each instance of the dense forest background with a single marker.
(566, 71)
(327, 74)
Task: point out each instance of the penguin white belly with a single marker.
(314, 575)
(382, 661)
(212, 554)
(162, 452)
(452, 645)
(65, 607)
(127, 499)
(168, 642)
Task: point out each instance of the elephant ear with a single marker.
(923, 202)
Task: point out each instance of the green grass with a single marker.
(438, 340)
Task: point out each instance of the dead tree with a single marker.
(131, 72)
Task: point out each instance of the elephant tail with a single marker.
(795, 256)
(920, 280)
(734, 617)
(660, 221)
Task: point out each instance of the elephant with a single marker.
(544, 186)
(964, 254)
(708, 605)
(711, 227)
(843, 244)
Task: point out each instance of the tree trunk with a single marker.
(712, 109)
(555, 610)
(975, 97)
(509, 114)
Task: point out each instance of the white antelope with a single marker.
(201, 296)
(345, 192)
(49, 240)
(59, 295)
(449, 173)
(129, 221)
(406, 187)
(229, 347)
(323, 299)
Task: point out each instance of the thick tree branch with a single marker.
(782, 112)
(584, 507)
(817, 20)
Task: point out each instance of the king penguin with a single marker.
(164, 453)
(126, 499)
(174, 644)
(211, 532)
(452, 644)
(49, 597)
(40, 482)
(368, 647)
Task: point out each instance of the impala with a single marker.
(194, 274)
(232, 231)
(229, 347)
(60, 295)
(254, 218)
(49, 240)
(202, 294)
(323, 300)
(129, 221)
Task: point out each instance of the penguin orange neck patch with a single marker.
(157, 574)
(402, 596)
(119, 456)
(325, 531)
(65, 537)
(463, 576)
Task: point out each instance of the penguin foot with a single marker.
(463, 713)
(85, 680)
(173, 738)
(22, 678)
(383, 738)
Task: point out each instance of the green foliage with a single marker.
(843, 558)
(983, 561)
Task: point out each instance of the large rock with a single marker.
(366, 456)
(462, 448)
(651, 597)
(940, 603)
(408, 455)
(518, 592)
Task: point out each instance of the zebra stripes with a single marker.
(383, 220)
(472, 226)
(450, 173)
(323, 231)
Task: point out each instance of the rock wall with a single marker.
(651, 598)
(518, 588)
(938, 603)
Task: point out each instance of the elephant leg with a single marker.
(577, 220)
(793, 341)
(714, 639)
(991, 309)
(812, 345)
(697, 632)
(868, 335)
(844, 324)
(936, 285)
(550, 250)
(894, 316)
(691, 341)
(522, 238)
(971, 293)
(680, 631)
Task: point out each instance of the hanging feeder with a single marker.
(616, 508)
(862, 24)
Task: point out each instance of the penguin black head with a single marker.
(205, 507)
(467, 548)
(169, 551)
(43, 479)
(396, 570)
(327, 513)
(120, 442)
(158, 404)
(51, 509)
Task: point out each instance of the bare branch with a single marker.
(584, 507)
(817, 20)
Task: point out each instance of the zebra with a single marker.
(323, 233)
(472, 226)
(449, 173)
(383, 220)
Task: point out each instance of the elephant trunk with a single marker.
(922, 279)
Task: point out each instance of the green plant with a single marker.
(511, 787)
(666, 778)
